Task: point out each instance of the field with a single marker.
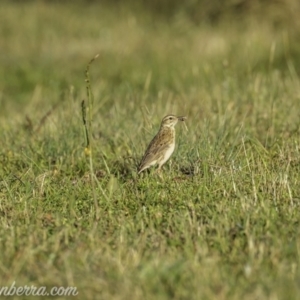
(221, 222)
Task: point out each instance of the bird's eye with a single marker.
(171, 118)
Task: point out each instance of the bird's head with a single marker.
(171, 120)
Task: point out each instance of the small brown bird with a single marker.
(162, 145)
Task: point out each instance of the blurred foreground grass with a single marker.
(223, 222)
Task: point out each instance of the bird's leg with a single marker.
(158, 172)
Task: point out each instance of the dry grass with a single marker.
(222, 223)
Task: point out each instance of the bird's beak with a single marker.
(182, 119)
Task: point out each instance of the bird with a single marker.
(162, 145)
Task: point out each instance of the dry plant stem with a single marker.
(90, 100)
(83, 111)
(45, 117)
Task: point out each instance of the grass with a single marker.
(223, 223)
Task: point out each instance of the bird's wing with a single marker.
(153, 154)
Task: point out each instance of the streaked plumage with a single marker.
(162, 145)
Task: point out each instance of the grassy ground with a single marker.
(222, 223)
